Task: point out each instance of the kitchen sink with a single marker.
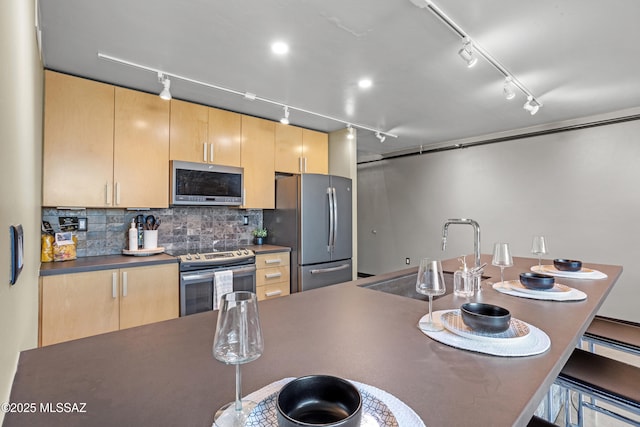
(406, 286)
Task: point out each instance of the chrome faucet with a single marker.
(476, 235)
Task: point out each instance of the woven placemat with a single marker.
(536, 342)
(511, 288)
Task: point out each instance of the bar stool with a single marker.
(617, 334)
(607, 380)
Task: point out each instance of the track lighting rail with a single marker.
(532, 105)
(246, 95)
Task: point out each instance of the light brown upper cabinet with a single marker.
(188, 132)
(204, 134)
(113, 141)
(78, 142)
(301, 150)
(258, 150)
(315, 151)
(225, 135)
(141, 150)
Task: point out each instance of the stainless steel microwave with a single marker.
(201, 184)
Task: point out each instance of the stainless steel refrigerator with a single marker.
(313, 218)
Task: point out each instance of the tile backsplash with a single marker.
(183, 228)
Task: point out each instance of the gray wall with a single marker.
(578, 188)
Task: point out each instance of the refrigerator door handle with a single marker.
(330, 269)
(335, 218)
(331, 220)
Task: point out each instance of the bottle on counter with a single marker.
(140, 222)
(133, 236)
(46, 253)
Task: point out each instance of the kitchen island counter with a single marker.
(164, 373)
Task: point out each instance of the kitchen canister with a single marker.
(150, 239)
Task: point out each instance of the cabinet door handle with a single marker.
(211, 152)
(124, 284)
(107, 194)
(300, 167)
(273, 293)
(305, 164)
(272, 275)
(272, 261)
(114, 285)
(117, 193)
(204, 152)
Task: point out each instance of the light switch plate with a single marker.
(82, 224)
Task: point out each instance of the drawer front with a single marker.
(272, 260)
(265, 276)
(273, 290)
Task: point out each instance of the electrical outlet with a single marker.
(407, 261)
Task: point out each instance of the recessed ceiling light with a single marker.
(365, 83)
(280, 48)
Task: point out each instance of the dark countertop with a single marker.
(164, 373)
(105, 262)
(266, 249)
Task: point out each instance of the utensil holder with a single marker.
(150, 238)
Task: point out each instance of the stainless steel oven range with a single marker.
(197, 276)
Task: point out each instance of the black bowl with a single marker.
(319, 400)
(537, 281)
(485, 317)
(567, 264)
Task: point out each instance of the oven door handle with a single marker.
(197, 276)
(244, 270)
(209, 274)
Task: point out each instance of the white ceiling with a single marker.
(578, 57)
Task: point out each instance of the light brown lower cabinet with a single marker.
(79, 305)
(272, 275)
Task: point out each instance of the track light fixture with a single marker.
(466, 53)
(380, 137)
(532, 105)
(508, 91)
(164, 81)
(163, 78)
(471, 48)
(285, 119)
(350, 132)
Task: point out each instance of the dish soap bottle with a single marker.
(133, 236)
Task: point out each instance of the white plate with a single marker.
(558, 288)
(584, 273)
(536, 342)
(573, 295)
(379, 408)
(452, 321)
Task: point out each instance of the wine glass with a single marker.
(238, 340)
(502, 258)
(430, 282)
(539, 248)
